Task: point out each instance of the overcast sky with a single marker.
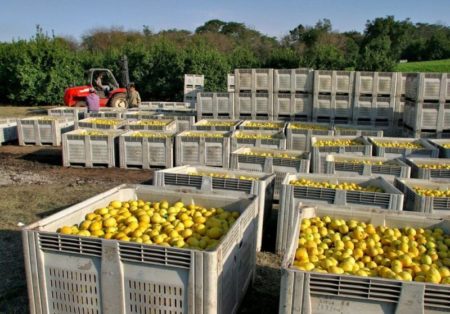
(18, 18)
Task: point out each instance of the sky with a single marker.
(18, 18)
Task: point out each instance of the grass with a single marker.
(8, 111)
(425, 66)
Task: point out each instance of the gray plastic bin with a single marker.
(262, 125)
(166, 125)
(271, 139)
(44, 130)
(429, 168)
(427, 149)
(215, 106)
(8, 130)
(356, 130)
(97, 123)
(113, 277)
(216, 125)
(299, 134)
(444, 152)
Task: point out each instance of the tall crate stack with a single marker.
(374, 98)
(292, 94)
(333, 95)
(193, 84)
(253, 96)
(427, 106)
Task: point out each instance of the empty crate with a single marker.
(184, 119)
(293, 80)
(44, 130)
(332, 82)
(375, 83)
(256, 106)
(75, 113)
(164, 105)
(107, 112)
(427, 115)
(292, 107)
(427, 86)
(215, 106)
(332, 108)
(8, 130)
(253, 80)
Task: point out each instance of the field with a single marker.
(33, 185)
(425, 66)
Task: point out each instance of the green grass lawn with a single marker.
(425, 66)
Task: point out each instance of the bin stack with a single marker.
(193, 84)
(427, 106)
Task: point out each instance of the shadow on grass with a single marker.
(13, 284)
(48, 156)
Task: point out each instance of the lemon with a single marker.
(115, 204)
(66, 230)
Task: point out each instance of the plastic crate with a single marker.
(216, 125)
(332, 108)
(428, 150)
(195, 148)
(256, 106)
(427, 168)
(112, 276)
(332, 82)
(230, 83)
(215, 106)
(8, 130)
(372, 110)
(164, 105)
(319, 153)
(305, 292)
(184, 119)
(293, 80)
(253, 80)
(428, 86)
(277, 140)
(76, 113)
(375, 83)
(427, 115)
(292, 107)
(439, 144)
(193, 84)
(146, 149)
(429, 134)
(42, 130)
(138, 115)
(277, 125)
(107, 112)
(91, 123)
(170, 125)
(81, 149)
(426, 204)
(350, 165)
(299, 134)
(263, 160)
(356, 130)
(200, 178)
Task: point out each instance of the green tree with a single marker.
(376, 56)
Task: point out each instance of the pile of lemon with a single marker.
(92, 133)
(302, 126)
(267, 125)
(367, 162)
(270, 155)
(434, 166)
(431, 192)
(253, 136)
(104, 121)
(447, 145)
(221, 176)
(154, 122)
(394, 144)
(218, 123)
(151, 134)
(202, 134)
(348, 186)
(337, 246)
(175, 225)
(337, 143)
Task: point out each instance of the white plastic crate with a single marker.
(112, 276)
(291, 196)
(426, 115)
(197, 148)
(253, 80)
(444, 152)
(168, 125)
(332, 108)
(256, 106)
(293, 80)
(94, 123)
(350, 165)
(200, 178)
(271, 161)
(216, 125)
(299, 134)
(357, 130)
(428, 86)
(107, 112)
(230, 83)
(164, 105)
(370, 110)
(277, 139)
(332, 82)
(292, 107)
(43, 130)
(311, 292)
(262, 125)
(138, 114)
(76, 113)
(319, 153)
(429, 168)
(193, 84)
(146, 149)
(375, 83)
(427, 149)
(215, 106)
(428, 134)
(8, 130)
(184, 119)
(81, 149)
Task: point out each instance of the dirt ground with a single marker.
(33, 185)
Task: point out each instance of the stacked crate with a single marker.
(400, 100)
(163, 105)
(253, 96)
(333, 94)
(292, 94)
(374, 98)
(427, 106)
(193, 84)
(185, 119)
(215, 105)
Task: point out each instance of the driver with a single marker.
(99, 84)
